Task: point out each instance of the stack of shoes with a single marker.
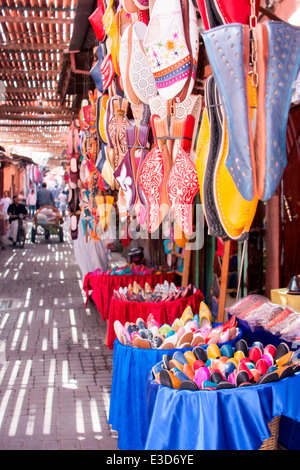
(131, 268)
(225, 368)
(161, 293)
(188, 331)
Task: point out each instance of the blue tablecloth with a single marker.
(128, 403)
(235, 419)
(289, 430)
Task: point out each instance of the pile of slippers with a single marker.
(161, 293)
(133, 269)
(188, 331)
(217, 368)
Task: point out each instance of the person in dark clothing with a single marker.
(45, 197)
(14, 210)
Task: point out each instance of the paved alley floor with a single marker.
(55, 370)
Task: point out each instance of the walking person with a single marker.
(5, 202)
(31, 203)
(45, 197)
(62, 198)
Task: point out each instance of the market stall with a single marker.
(191, 104)
(101, 286)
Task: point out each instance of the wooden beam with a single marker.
(50, 9)
(34, 109)
(34, 47)
(13, 72)
(26, 89)
(2, 124)
(35, 19)
(29, 100)
(33, 117)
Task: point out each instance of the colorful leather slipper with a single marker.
(117, 129)
(124, 62)
(100, 113)
(235, 213)
(130, 6)
(96, 20)
(153, 175)
(142, 4)
(230, 71)
(122, 334)
(122, 21)
(144, 132)
(183, 184)
(141, 76)
(107, 71)
(168, 379)
(225, 384)
(200, 353)
(268, 378)
(217, 12)
(201, 375)
(215, 148)
(278, 61)
(242, 345)
(188, 385)
(285, 371)
(166, 46)
(124, 173)
(202, 150)
(281, 350)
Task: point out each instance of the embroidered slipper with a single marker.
(125, 171)
(153, 175)
(166, 46)
(176, 113)
(141, 77)
(183, 184)
(125, 57)
(144, 133)
(107, 71)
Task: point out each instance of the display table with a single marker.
(164, 312)
(130, 370)
(235, 419)
(103, 286)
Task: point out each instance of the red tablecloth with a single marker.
(164, 312)
(103, 286)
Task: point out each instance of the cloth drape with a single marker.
(129, 381)
(164, 312)
(103, 286)
(235, 419)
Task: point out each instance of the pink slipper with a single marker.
(183, 183)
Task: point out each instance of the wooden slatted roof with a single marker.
(35, 36)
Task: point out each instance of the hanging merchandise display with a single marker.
(151, 152)
(191, 96)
